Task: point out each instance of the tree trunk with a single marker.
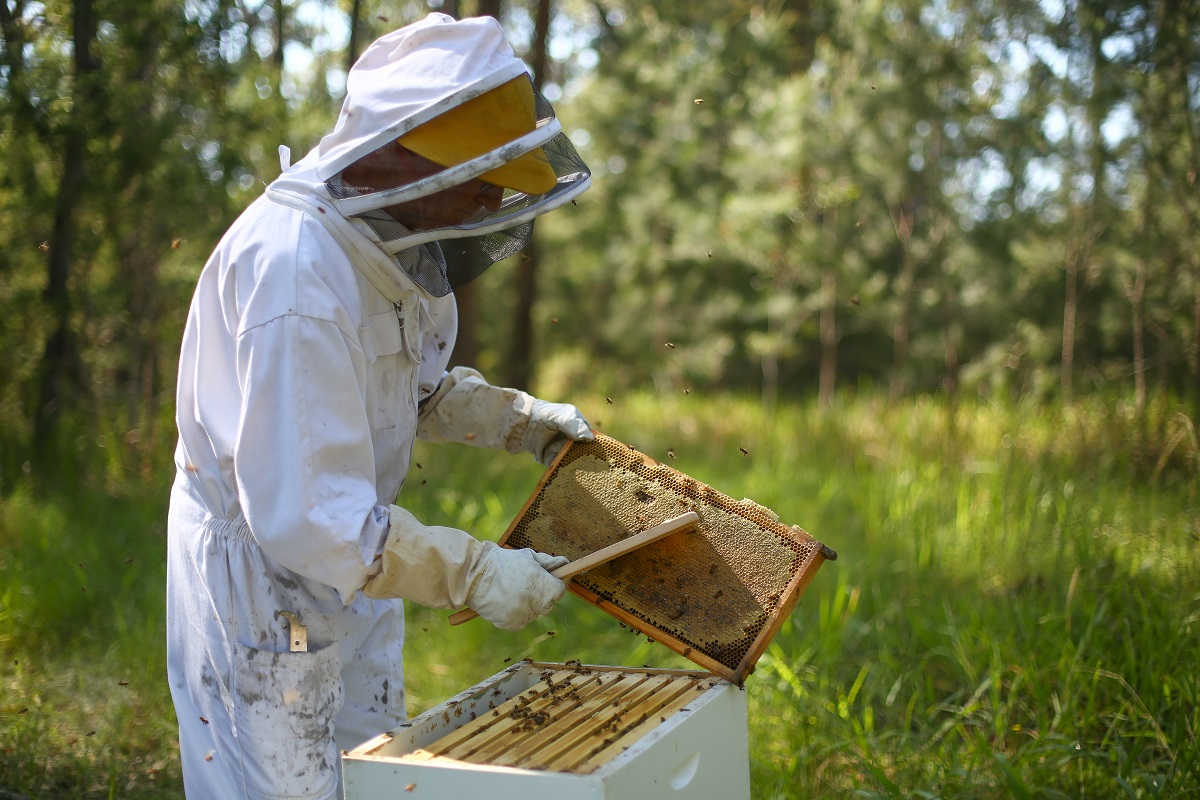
(828, 337)
(521, 359)
(902, 223)
(280, 18)
(59, 356)
(355, 23)
(466, 349)
(1070, 306)
(1137, 300)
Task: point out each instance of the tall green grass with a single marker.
(1014, 612)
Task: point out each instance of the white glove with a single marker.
(445, 567)
(466, 408)
(550, 426)
(516, 587)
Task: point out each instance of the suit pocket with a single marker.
(389, 371)
(284, 706)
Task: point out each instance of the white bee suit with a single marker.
(310, 363)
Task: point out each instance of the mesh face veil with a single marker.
(447, 220)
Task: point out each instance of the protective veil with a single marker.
(314, 354)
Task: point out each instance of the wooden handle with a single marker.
(606, 554)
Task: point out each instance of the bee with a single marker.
(671, 345)
(671, 453)
(208, 756)
(709, 254)
(410, 787)
(175, 243)
(469, 436)
(745, 452)
(122, 683)
(698, 100)
(554, 320)
(204, 720)
(44, 247)
(608, 400)
(854, 299)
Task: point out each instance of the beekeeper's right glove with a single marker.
(448, 568)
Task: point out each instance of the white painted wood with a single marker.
(698, 753)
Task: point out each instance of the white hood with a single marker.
(402, 80)
(410, 76)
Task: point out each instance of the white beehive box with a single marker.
(566, 732)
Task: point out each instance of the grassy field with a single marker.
(1015, 611)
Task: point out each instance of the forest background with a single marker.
(935, 224)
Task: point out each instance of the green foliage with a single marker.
(1013, 610)
(797, 196)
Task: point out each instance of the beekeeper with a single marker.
(315, 353)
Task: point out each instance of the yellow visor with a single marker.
(482, 124)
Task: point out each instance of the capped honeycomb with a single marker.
(715, 594)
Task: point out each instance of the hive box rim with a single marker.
(367, 756)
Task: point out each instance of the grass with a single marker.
(1014, 612)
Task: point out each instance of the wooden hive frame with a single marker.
(716, 595)
(575, 719)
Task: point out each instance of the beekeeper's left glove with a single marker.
(550, 426)
(466, 408)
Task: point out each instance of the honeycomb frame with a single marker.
(716, 594)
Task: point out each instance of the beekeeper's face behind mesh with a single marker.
(395, 165)
(471, 179)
